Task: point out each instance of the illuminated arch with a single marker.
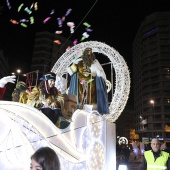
(122, 87)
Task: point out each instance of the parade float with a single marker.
(88, 142)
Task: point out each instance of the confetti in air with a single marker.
(14, 21)
(19, 8)
(23, 25)
(85, 35)
(52, 12)
(86, 24)
(57, 42)
(68, 48)
(28, 10)
(36, 6)
(8, 4)
(47, 19)
(68, 12)
(32, 5)
(70, 24)
(32, 20)
(75, 42)
(60, 22)
(88, 30)
(58, 32)
(27, 17)
(23, 20)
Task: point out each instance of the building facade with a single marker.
(125, 124)
(46, 51)
(151, 77)
(42, 53)
(4, 66)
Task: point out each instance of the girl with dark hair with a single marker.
(45, 97)
(45, 158)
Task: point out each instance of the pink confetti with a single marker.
(45, 20)
(68, 48)
(82, 81)
(75, 42)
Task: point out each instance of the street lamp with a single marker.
(153, 104)
(18, 72)
(141, 121)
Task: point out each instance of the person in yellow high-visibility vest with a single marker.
(155, 159)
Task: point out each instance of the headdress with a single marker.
(88, 49)
(49, 76)
(21, 86)
(45, 78)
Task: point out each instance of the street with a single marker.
(134, 163)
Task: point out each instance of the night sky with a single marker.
(114, 22)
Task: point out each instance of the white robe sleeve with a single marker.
(71, 70)
(97, 69)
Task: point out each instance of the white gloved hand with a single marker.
(7, 79)
(77, 60)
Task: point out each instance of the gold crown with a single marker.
(88, 49)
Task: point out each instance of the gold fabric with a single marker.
(23, 97)
(18, 96)
(73, 68)
(84, 73)
(35, 99)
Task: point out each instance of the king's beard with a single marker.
(88, 59)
